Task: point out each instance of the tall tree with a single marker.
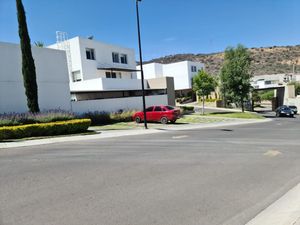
(203, 85)
(28, 67)
(235, 74)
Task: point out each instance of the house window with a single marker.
(194, 68)
(123, 58)
(90, 53)
(76, 76)
(110, 75)
(115, 57)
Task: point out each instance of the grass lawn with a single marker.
(186, 119)
(194, 118)
(197, 118)
(238, 115)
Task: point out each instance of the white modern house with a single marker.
(97, 66)
(182, 72)
(103, 77)
(51, 73)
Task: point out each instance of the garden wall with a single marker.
(52, 79)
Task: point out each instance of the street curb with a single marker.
(120, 133)
(284, 211)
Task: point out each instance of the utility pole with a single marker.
(141, 62)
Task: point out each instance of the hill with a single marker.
(265, 60)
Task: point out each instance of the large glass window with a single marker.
(123, 58)
(115, 57)
(90, 53)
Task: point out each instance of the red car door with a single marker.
(157, 113)
(149, 112)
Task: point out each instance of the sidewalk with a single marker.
(119, 133)
(284, 211)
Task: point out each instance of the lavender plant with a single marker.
(12, 119)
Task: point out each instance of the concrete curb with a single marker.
(285, 211)
(119, 133)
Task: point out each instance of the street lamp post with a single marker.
(141, 62)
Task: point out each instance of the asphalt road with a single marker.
(206, 177)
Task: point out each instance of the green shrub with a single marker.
(266, 95)
(186, 109)
(98, 118)
(125, 116)
(103, 118)
(184, 100)
(45, 129)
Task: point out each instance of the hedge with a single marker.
(187, 109)
(45, 129)
(99, 118)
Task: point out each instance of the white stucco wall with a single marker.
(52, 79)
(151, 70)
(181, 71)
(115, 104)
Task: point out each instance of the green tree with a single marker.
(235, 75)
(28, 67)
(203, 85)
(297, 87)
(266, 95)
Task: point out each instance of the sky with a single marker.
(167, 26)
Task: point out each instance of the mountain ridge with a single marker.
(265, 60)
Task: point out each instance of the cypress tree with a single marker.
(28, 67)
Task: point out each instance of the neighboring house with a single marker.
(273, 80)
(182, 72)
(52, 79)
(100, 71)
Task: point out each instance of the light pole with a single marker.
(141, 62)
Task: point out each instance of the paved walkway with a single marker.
(285, 211)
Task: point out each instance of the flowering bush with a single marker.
(13, 119)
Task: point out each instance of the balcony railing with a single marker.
(106, 84)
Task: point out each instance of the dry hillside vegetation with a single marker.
(267, 60)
